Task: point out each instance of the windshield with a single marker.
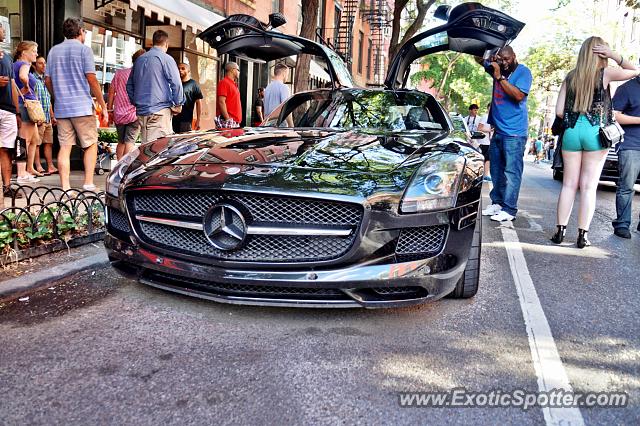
(362, 109)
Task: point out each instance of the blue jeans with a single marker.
(629, 168)
(506, 153)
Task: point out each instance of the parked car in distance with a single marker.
(344, 197)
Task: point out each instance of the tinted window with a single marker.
(366, 109)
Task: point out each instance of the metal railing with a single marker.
(50, 215)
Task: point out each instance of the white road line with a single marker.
(546, 360)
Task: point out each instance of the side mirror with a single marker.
(276, 20)
(477, 135)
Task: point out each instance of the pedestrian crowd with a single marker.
(152, 99)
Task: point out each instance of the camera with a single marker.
(491, 55)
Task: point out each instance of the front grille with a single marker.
(245, 290)
(262, 248)
(426, 241)
(118, 221)
(257, 209)
(261, 208)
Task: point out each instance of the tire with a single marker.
(468, 285)
(100, 171)
(557, 174)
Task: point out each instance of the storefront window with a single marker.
(10, 21)
(111, 50)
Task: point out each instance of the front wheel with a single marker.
(468, 284)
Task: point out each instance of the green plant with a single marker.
(107, 136)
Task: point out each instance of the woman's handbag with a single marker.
(557, 129)
(557, 155)
(34, 110)
(611, 133)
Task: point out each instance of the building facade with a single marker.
(358, 30)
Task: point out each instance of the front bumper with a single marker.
(374, 284)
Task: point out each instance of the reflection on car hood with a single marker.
(353, 151)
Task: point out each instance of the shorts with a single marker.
(485, 151)
(83, 129)
(8, 129)
(155, 126)
(45, 133)
(128, 133)
(584, 136)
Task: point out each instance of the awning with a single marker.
(184, 12)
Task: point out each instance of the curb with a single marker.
(32, 281)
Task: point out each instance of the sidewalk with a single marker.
(28, 275)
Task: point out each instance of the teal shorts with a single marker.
(584, 136)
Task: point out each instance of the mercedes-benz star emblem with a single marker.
(225, 227)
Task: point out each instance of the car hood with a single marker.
(261, 148)
(340, 163)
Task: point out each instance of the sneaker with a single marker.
(27, 179)
(91, 187)
(622, 233)
(493, 209)
(502, 216)
(487, 179)
(11, 193)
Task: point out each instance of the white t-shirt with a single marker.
(483, 120)
(472, 123)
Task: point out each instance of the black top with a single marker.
(6, 70)
(600, 106)
(255, 118)
(191, 94)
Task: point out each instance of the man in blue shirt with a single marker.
(626, 104)
(155, 89)
(71, 79)
(508, 115)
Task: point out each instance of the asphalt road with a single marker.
(101, 349)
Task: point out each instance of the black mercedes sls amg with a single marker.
(343, 197)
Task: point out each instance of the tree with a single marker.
(415, 22)
(457, 78)
(308, 31)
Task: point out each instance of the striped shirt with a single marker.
(43, 95)
(67, 66)
(123, 111)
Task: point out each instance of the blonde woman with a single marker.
(26, 54)
(582, 153)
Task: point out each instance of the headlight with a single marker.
(435, 186)
(116, 175)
